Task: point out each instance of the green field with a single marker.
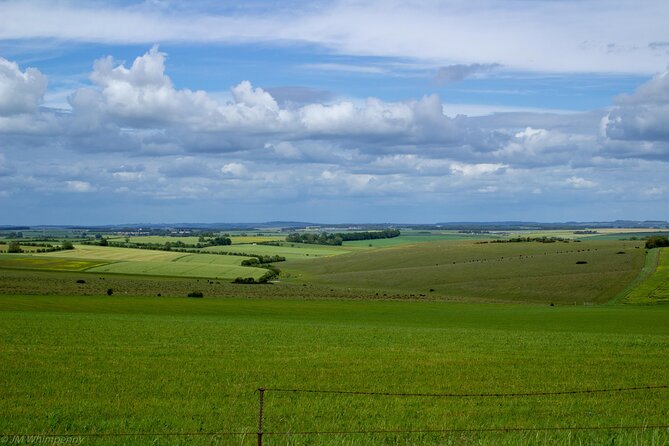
(522, 272)
(287, 250)
(180, 269)
(115, 254)
(35, 262)
(161, 365)
(104, 259)
(655, 288)
(415, 314)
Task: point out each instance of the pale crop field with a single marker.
(180, 269)
(114, 254)
(287, 250)
(212, 259)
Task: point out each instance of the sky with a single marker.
(339, 111)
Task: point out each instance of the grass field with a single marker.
(180, 269)
(287, 250)
(138, 365)
(115, 254)
(99, 259)
(35, 262)
(655, 288)
(522, 272)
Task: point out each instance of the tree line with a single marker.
(336, 239)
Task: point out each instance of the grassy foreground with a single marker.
(138, 365)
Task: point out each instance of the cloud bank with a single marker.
(134, 140)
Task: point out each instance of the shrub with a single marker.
(657, 241)
(581, 262)
(196, 294)
(81, 281)
(13, 248)
(110, 291)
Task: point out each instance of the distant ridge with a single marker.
(288, 225)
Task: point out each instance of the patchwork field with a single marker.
(163, 365)
(99, 259)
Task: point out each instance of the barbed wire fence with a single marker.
(261, 433)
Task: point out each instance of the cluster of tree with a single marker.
(269, 275)
(167, 246)
(259, 260)
(337, 239)
(15, 247)
(532, 239)
(657, 241)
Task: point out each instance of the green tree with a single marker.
(14, 247)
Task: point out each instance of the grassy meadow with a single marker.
(135, 365)
(520, 272)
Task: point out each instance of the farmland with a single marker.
(420, 313)
(178, 365)
(521, 272)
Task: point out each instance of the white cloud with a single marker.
(620, 38)
(476, 170)
(20, 91)
(234, 170)
(580, 183)
(79, 186)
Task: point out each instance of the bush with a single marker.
(657, 241)
(81, 281)
(67, 245)
(196, 294)
(581, 262)
(13, 248)
(110, 291)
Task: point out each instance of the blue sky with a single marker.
(344, 111)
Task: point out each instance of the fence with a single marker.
(261, 433)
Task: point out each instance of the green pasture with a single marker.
(35, 262)
(522, 272)
(655, 287)
(287, 250)
(103, 365)
(180, 269)
(212, 259)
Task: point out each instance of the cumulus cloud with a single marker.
(20, 91)
(234, 170)
(460, 72)
(179, 143)
(642, 115)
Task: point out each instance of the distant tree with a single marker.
(657, 241)
(14, 247)
(67, 245)
(104, 241)
(110, 291)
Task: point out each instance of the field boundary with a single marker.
(651, 262)
(262, 390)
(50, 437)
